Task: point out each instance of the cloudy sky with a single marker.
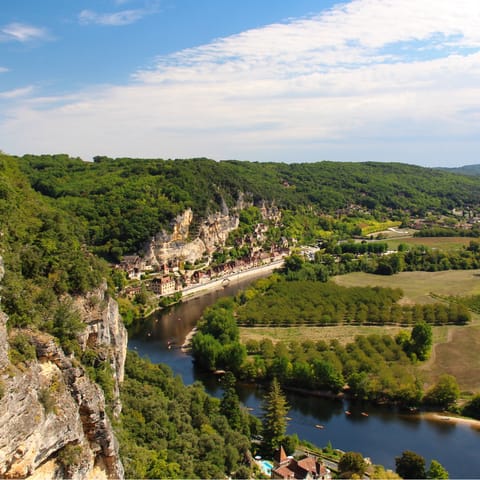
(269, 80)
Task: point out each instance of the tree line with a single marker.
(283, 302)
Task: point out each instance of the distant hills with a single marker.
(471, 170)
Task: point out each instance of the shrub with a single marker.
(21, 349)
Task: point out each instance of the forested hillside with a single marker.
(61, 217)
(123, 202)
(465, 170)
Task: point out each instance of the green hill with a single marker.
(123, 202)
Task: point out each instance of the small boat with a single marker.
(321, 427)
(348, 412)
(365, 414)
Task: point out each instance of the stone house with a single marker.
(308, 467)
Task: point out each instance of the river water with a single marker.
(382, 436)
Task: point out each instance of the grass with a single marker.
(442, 243)
(343, 333)
(417, 286)
(458, 356)
(455, 349)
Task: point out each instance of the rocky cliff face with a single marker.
(212, 233)
(52, 416)
(105, 333)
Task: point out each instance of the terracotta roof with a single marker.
(284, 472)
(308, 463)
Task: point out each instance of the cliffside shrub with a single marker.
(70, 455)
(47, 400)
(21, 349)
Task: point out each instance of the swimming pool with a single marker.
(266, 467)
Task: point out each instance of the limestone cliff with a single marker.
(179, 245)
(105, 333)
(53, 422)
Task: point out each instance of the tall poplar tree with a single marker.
(274, 420)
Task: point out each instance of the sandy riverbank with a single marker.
(448, 418)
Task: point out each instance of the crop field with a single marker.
(455, 349)
(457, 355)
(418, 286)
(442, 243)
(343, 333)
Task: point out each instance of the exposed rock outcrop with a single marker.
(53, 422)
(51, 412)
(212, 233)
(3, 329)
(105, 333)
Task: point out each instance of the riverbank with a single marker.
(196, 291)
(452, 419)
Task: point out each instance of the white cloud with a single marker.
(16, 93)
(21, 32)
(367, 80)
(120, 18)
(4, 69)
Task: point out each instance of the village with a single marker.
(167, 275)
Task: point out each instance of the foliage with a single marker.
(168, 430)
(44, 252)
(351, 463)
(410, 465)
(274, 421)
(420, 340)
(70, 456)
(437, 471)
(380, 473)
(47, 399)
(21, 348)
(444, 393)
(126, 201)
(472, 407)
(230, 403)
(216, 344)
(288, 302)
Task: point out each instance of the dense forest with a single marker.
(122, 202)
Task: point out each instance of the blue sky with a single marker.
(270, 80)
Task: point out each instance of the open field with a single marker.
(457, 355)
(417, 286)
(455, 348)
(442, 243)
(343, 333)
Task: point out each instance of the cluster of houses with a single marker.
(171, 278)
(308, 467)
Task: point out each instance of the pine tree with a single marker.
(274, 421)
(230, 403)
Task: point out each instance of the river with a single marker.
(382, 436)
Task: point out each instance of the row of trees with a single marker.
(408, 258)
(378, 368)
(283, 302)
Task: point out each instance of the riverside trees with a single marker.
(274, 419)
